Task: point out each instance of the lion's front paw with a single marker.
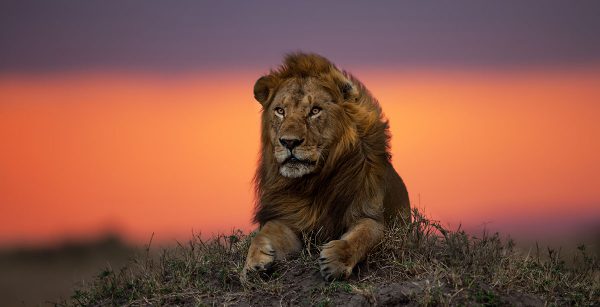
(334, 260)
(260, 255)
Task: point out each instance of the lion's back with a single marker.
(396, 203)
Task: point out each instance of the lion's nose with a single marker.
(290, 143)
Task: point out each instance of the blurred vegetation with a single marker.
(40, 275)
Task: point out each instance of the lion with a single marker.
(324, 167)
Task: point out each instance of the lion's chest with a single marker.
(323, 217)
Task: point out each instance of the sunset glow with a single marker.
(136, 154)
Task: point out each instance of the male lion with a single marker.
(324, 167)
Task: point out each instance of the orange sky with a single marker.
(85, 153)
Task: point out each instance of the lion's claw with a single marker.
(334, 260)
(261, 256)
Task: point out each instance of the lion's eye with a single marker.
(279, 111)
(315, 111)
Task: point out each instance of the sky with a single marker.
(188, 35)
(118, 116)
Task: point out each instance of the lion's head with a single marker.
(304, 115)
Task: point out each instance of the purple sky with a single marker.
(165, 36)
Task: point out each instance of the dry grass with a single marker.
(421, 263)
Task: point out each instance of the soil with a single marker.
(301, 286)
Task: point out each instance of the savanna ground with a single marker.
(421, 263)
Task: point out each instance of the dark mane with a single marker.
(303, 65)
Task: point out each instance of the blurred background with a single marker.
(117, 119)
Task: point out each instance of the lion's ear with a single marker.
(348, 91)
(263, 88)
(346, 86)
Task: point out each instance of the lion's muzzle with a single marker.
(295, 163)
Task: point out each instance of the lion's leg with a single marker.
(274, 241)
(339, 257)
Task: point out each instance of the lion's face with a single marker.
(305, 121)
(302, 125)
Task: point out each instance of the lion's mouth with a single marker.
(292, 160)
(293, 167)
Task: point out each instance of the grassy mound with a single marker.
(418, 264)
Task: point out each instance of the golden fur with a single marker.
(324, 168)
